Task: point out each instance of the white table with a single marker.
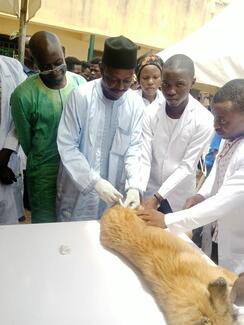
(59, 274)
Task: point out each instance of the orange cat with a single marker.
(187, 288)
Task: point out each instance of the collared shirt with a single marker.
(158, 99)
(223, 160)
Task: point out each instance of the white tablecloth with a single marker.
(59, 274)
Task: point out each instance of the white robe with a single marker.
(169, 161)
(226, 206)
(11, 202)
(81, 144)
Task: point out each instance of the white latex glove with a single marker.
(132, 199)
(107, 192)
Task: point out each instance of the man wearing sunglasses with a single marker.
(37, 105)
(99, 139)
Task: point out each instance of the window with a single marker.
(8, 47)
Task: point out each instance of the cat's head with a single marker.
(218, 309)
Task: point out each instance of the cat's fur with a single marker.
(188, 289)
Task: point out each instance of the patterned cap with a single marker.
(148, 60)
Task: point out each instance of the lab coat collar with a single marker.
(184, 120)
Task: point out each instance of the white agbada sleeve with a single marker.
(69, 137)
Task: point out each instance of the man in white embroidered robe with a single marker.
(99, 139)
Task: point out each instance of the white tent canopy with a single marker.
(25, 10)
(217, 49)
(12, 7)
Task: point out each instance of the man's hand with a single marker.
(151, 203)
(152, 217)
(107, 192)
(237, 292)
(4, 156)
(132, 199)
(7, 176)
(193, 200)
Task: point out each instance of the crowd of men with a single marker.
(90, 70)
(91, 141)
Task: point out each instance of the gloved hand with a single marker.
(7, 176)
(107, 192)
(132, 199)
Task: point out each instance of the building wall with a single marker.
(153, 24)
(75, 43)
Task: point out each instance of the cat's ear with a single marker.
(219, 296)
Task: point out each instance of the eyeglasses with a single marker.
(115, 81)
(58, 68)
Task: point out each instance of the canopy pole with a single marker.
(91, 47)
(22, 30)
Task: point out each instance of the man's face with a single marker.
(95, 72)
(115, 82)
(150, 80)
(228, 120)
(77, 69)
(176, 85)
(86, 73)
(52, 66)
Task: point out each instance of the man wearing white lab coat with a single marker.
(221, 197)
(175, 133)
(11, 203)
(99, 139)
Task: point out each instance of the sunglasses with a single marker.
(58, 68)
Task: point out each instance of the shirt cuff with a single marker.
(164, 192)
(132, 183)
(95, 177)
(203, 193)
(180, 222)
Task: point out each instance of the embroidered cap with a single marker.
(120, 52)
